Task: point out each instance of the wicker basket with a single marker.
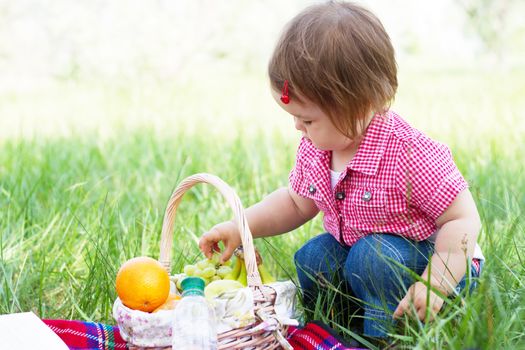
(264, 296)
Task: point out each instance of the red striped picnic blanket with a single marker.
(79, 335)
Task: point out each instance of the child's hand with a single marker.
(416, 301)
(226, 232)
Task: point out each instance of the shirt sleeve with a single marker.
(297, 180)
(428, 176)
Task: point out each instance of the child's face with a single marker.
(315, 125)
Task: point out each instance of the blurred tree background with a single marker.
(88, 64)
(496, 26)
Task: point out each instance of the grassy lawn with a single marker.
(76, 203)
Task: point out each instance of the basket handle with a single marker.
(254, 279)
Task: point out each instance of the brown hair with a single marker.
(339, 56)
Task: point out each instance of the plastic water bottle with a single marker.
(193, 326)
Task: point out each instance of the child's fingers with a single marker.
(401, 308)
(208, 242)
(227, 254)
(421, 313)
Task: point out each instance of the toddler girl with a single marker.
(392, 199)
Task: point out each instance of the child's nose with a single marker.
(298, 125)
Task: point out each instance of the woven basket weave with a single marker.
(264, 296)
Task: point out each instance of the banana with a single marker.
(266, 277)
(178, 281)
(236, 270)
(243, 276)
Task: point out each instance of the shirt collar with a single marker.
(373, 145)
(370, 151)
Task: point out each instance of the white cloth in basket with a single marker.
(234, 309)
(285, 302)
(143, 329)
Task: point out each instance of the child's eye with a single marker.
(307, 122)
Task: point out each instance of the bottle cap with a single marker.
(192, 285)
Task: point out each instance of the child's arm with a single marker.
(458, 227)
(281, 211)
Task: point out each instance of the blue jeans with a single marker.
(374, 269)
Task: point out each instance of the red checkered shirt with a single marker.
(400, 181)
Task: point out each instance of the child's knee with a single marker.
(375, 263)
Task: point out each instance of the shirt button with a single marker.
(367, 196)
(340, 195)
(311, 189)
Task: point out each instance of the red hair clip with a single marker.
(285, 98)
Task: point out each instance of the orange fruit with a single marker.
(170, 303)
(143, 284)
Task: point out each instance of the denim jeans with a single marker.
(374, 271)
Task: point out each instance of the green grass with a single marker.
(73, 208)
